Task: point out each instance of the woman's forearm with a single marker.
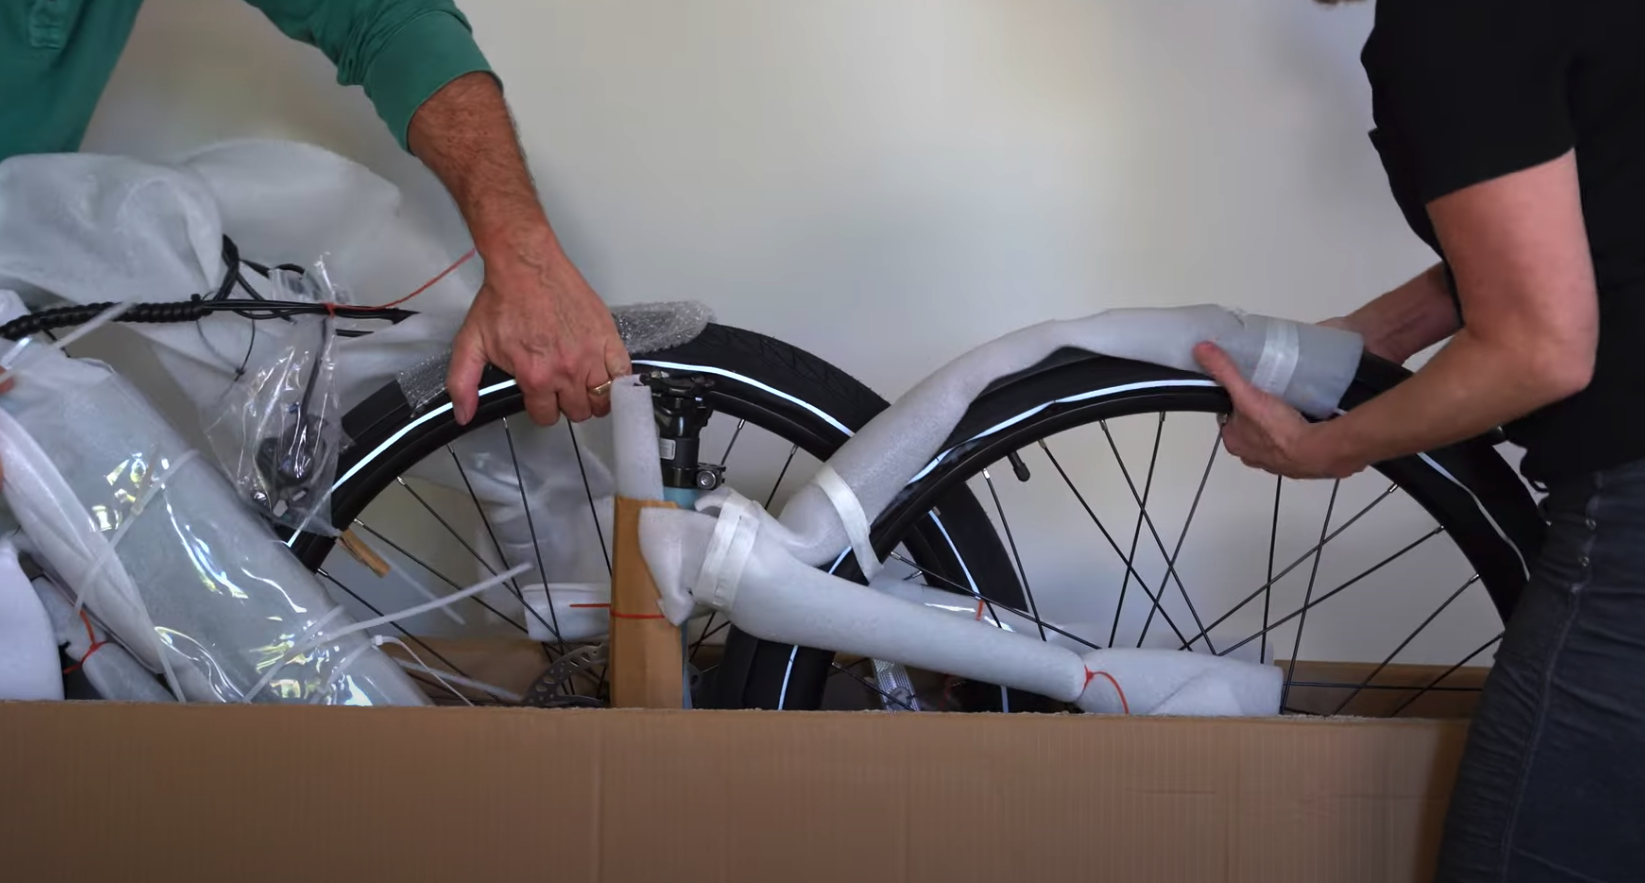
(1408, 319)
(1470, 387)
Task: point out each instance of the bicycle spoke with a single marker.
(402, 630)
(1336, 591)
(593, 512)
(1268, 588)
(1141, 583)
(484, 519)
(1142, 509)
(1403, 644)
(780, 475)
(1216, 446)
(1308, 596)
(531, 526)
(1011, 538)
(514, 584)
(735, 434)
(437, 574)
(1290, 567)
(1433, 684)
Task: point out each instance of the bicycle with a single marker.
(940, 525)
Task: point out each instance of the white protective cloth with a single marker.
(86, 228)
(29, 664)
(114, 673)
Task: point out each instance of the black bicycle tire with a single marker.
(1478, 497)
(388, 434)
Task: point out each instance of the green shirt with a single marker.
(56, 57)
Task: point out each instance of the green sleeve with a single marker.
(401, 51)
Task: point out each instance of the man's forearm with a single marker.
(1409, 318)
(464, 134)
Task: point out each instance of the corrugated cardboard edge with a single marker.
(249, 793)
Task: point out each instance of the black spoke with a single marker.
(1433, 684)
(486, 520)
(402, 630)
(1153, 532)
(512, 583)
(1011, 538)
(1141, 583)
(786, 463)
(1405, 643)
(437, 574)
(593, 512)
(735, 434)
(1308, 596)
(1216, 445)
(536, 547)
(1336, 591)
(1290, 567)
(1268, 587)
(1142, 510)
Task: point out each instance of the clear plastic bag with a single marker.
(277, 430)
(156, 545)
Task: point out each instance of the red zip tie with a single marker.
(1124, 705)
(95, 644)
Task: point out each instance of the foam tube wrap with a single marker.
(779, 598)
(1309, 366)
(157, 545)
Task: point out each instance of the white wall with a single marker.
(883, 182)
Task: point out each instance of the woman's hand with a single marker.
(1266, 433)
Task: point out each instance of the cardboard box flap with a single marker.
(266, 793)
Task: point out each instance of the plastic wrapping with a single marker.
(644, 328)
(156, 544)
(277, 431)
(649, 328)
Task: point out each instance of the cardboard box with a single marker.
(99, 791)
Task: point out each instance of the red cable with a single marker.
(424, 287)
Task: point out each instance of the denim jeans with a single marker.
(1552, 781)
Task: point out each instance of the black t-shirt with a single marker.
(1464, 91)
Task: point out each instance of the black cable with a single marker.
(186, 311)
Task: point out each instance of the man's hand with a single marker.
(535, 317)
(1266, 433)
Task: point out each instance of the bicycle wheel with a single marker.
(1471, 496)
(807, 405)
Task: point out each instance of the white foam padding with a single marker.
(1177, 682)
(581, 611)
(29, 665)
(1310, 366)
(779, 598)
(113, 672)
(157, 545)
(86, 228)
(634, 430)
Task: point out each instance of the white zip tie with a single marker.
(735, 530)
(309, 641)
(7, 361)
(852, 517)
(1280, 352)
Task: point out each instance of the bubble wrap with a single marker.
(644, 328)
